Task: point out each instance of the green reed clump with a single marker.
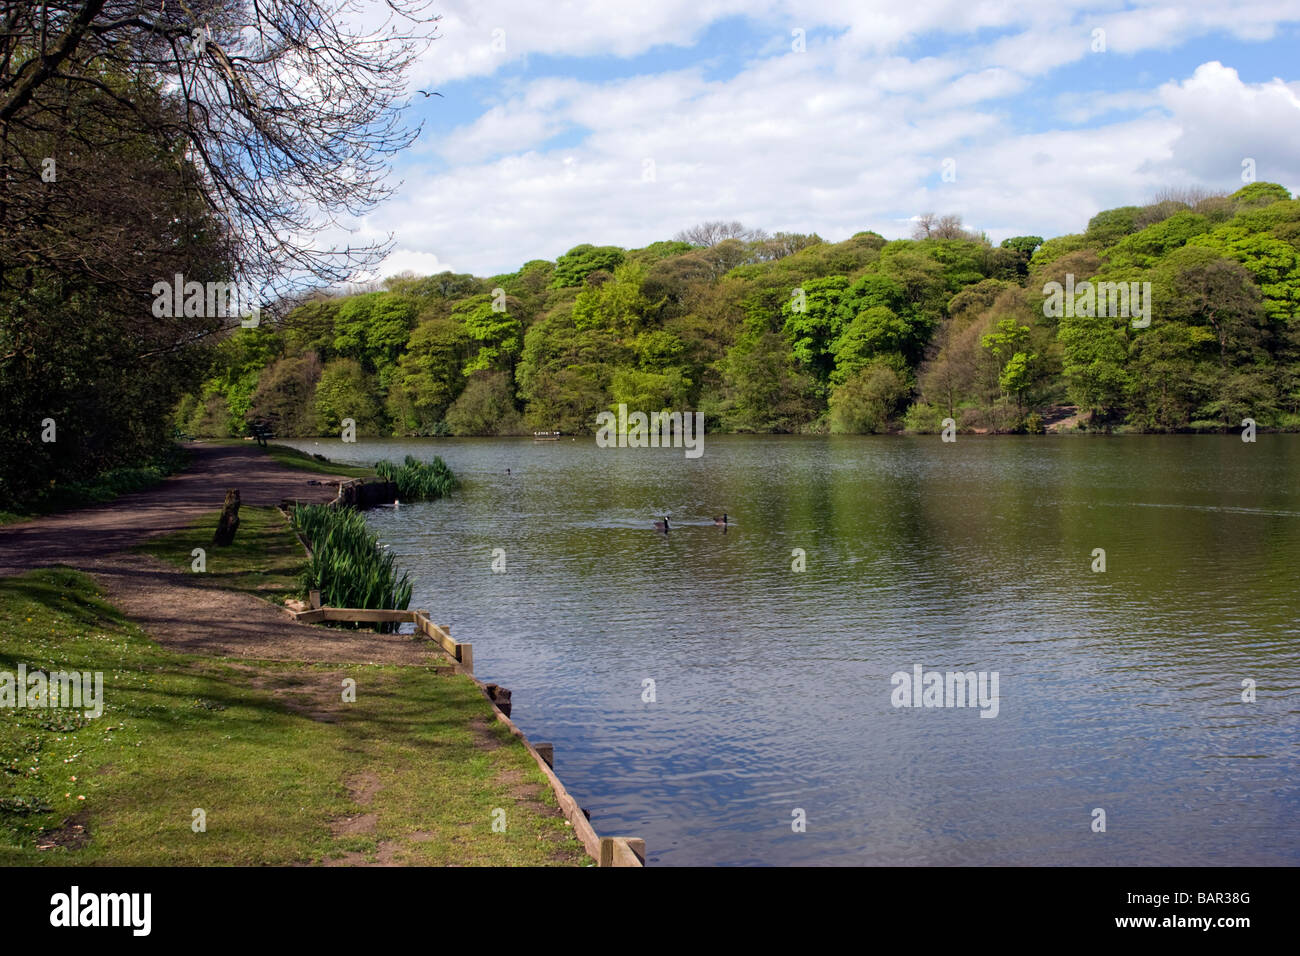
(418, 480)
(347, 565)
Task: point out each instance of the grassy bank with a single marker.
(293, 458)
(257, 747)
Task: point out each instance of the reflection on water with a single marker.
(1120, 690)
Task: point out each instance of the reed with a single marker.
(347, 565)
(418, 480)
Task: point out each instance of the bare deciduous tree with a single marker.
(282, 116)
(715, 231)
(932, 226)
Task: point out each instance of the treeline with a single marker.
(793, 334)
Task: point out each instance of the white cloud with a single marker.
(1223, 121)
(847, 136)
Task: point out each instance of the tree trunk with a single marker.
(229, 522)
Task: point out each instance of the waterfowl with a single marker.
(722, 521)
(663, 525)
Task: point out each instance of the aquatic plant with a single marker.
(347, 565)
(417, 480)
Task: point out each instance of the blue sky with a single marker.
(580, 121)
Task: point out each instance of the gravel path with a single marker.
(179, 609)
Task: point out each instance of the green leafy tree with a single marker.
(486, 407)
(764, 390)
(617, 306)
(580, 261)
(346, 390)
(497, 335)
(1095, 360)
(1006, 343)
(373, 328)
(864, 403)
(429, 375)
(812, 322)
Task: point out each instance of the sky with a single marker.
(621, 123)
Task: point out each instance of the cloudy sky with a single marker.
(622, 122)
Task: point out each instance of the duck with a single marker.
(721, 521)
(663, 525)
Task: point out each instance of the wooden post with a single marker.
(465, 654)
(229, 522)
(315, 599)
(547, 752)
(622, 851)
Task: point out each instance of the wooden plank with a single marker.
(309, 617)
(366, 616)
(622, 851)
(436, 633)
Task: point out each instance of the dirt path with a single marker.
(77, 537)
(177, 609)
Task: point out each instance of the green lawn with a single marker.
(285, 770)
(265, 558)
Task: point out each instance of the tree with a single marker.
(496, 334)
(863, 404)
(486, 407)
(429, 376)
(932, 226)
(813, 321)
(373, 328)
(1095, 359)
(580, 261)
(617, 305)
(285, 396)
(764, 391)
(715, 231)
(1015, 365)
(345, 391)
(287, 110)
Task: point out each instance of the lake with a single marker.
(1119, 690)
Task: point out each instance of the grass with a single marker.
(300, 460)
(285, 771)
(265, 558)
(293, 458)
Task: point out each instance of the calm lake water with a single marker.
(1119, 690)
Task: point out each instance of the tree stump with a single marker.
(229, 522)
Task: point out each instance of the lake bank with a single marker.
(213, 694)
